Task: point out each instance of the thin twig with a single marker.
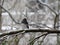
(37, 38)
(49, 8)
(9, 15)
(38, 25)
(13, 5)
(43, 40)
(2, 2)
(55, 20)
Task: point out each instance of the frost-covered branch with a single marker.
(56, 14)
(29, 30)
(9, 15)
(15, 2)
(38, 37)
(2, 2)
(47, 7)
(43, 39)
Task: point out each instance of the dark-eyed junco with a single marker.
(24, 21)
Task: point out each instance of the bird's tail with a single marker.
(27, 26)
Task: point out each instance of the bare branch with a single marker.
(48, 7)
(43, 39)
(55, 20)
(30, 30)
(9, 15)
(15, 2)
(37, 38)
(2, 2)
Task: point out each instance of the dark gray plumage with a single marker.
(24, 21)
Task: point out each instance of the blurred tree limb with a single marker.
(30, 30)
(2, 2)
(56, 14)
(0, 15)
(42, 39)
(15, 2)
(9, 14)
(38, 38)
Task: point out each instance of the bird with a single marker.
(24, 21)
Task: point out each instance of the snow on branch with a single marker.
(38, 37)
(29, 30)
(9, 15)
(46, 5)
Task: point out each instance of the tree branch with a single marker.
(48, 7)
(2, 2)
(30, 30)
(37, 38)
(56, 14)
(56, 17)
(15, 2)
(43, 39)
(9, 15)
